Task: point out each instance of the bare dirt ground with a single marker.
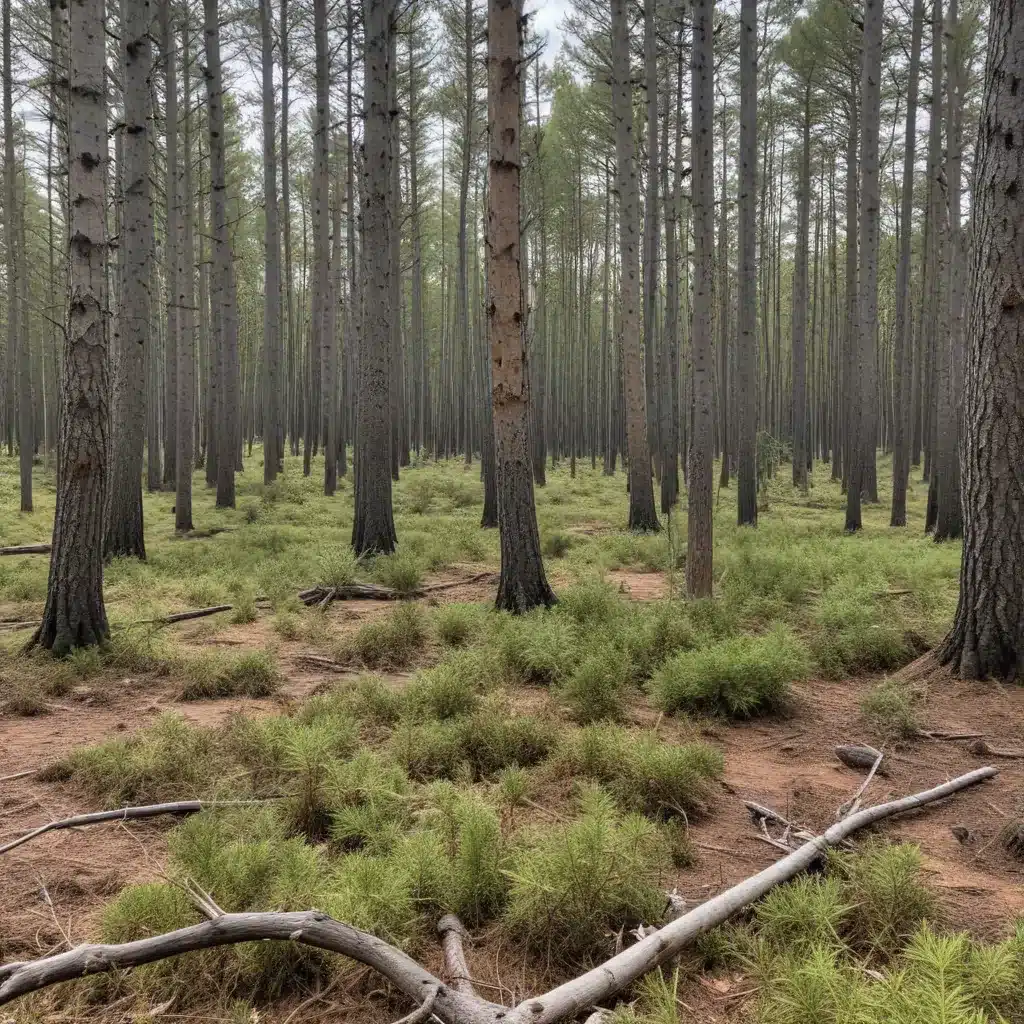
(52, 889)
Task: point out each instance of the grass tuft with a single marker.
(390, 642)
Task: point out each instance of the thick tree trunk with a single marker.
(987, 638)
(522, 584)
(902, 362)
(74, 615)
(273, 383)
(746, 302)
(373, 528)
(222, 292)
(699, 519)
(186, 428)
(643, 515)
(124, 533)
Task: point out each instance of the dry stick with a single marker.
(854, 802)
(313, 928)
(125, 814)
(983, 748)
(26, 549)
(423, 1011)
(19, 775)
(452, 932)
(198, 613)
(929, 735)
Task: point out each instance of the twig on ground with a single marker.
(853, 803)
(929, 734)
(125, 814)
(198, 613)
(19, 775)
(984, 749)
(26, 549)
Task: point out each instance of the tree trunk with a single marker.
(652, 221)
(987, 639)
(699, 519)
(186, 430)
(373, 528)
(74, 615)
(124, 533)
(643, 515)
(522, 584)
(172, 249)
(799, 326)
(904, 333)
(863, 436)
(272, 378)
(222, 291)
(746, 301)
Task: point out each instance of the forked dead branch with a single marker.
(455, 1003)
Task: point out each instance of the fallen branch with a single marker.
(26, 549)
(124, 814)
(323, 596)
(930, 734)
(198, 613)
(580, 995)
(452, 932)
(853, 803)
(19, 775)
(983, 749)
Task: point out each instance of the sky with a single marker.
(547, 18)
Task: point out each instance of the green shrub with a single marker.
(428, 750)
(402, 572)
(574, 887)
(537, 648)
(593, 603)
(418, 495)
(338, 567)
(390, 642)
(736, 678)
(856, 636)
(494, 739)
(594, 691)
(555, 544)
(809, 911)
(459, 625)
(372, 700)
(252, 674)
(655, 631)
(445, 691)
(890, 707)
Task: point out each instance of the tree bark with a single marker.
(74, 615)
(699, 518)
(522, 584)
(172, 251)
(799, 326)
(902, 361)
(124, 533)
(746, 300)
(643, 515)
(987, 639)
(652, 224)
(373, 528)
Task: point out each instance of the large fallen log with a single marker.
(26, 549)
(322, 596)
(450, 1006)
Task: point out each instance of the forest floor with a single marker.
(814, 639)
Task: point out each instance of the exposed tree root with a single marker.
(432, 996)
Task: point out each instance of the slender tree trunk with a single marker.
(643, 515)
(539, 376)
(222, 297)
(172, 248)
(652, 222)
(699, 520)
(746, 301)
(294, 355)
(722, 260)
(904, 332)
(74, 615)
(373, 528)
(124, 533)
(863, 438)
(799, 326)
(186, 431)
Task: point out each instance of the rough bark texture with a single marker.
(987, 638)
(698, 478)
(799, 328)
(651, 229)
(904, 336)
(643, 515)
(74, 615)
(522, 584)
(373, 529)
(746, 300)
(222, 292)
(124, 535)
(273, 433)
(172, 248)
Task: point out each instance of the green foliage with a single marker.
(807, 912)
(573, 887)
(736, 678)
(390, 642)
(448, 690)
(596, 687)
(402, 571)
(890, 707)
(555, 544)
(338, 567)
(857, 636)
(211, 675)
(539, 648)
(459, 625)
(642, 771)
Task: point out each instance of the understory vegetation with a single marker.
(535, 775)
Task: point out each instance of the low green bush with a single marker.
(390, 642)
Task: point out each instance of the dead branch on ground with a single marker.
(322, 596)
(26, 549)
(581, 994)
